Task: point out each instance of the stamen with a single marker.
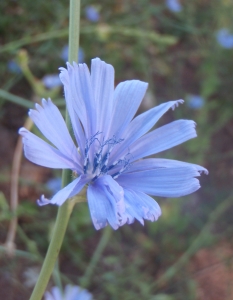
(87, 148)
(85, 165)
(124, 168)
(97, 160)
(101, 162)
(101, 157)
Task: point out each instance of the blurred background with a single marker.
(184, 50)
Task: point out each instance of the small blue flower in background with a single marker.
(92, 13)
(225, 38)
(51, 81)
(195, 101)
(174, 5)
(65, 54)
(54, 185)
(13, 67)
(110, 146)
(70, 293)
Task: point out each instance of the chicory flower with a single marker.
(13, 67)
(70, 293)
(109, 147)
(92, 13)
(195, 101)
(65, 53)
(51, 81)
(225, 38)
(174, 5)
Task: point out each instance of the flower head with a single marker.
(70, 293)
(225, 38)
(92, 13)
(51, 81)
(65, 53)
(110, 146)
(195, 101)
(174, 5)
(13, 67)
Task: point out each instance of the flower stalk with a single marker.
(53, 250)
(65, 210)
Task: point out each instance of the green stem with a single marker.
(53, 250)
(16, 99)
(74, 30)
(65, 210)
(85, 280)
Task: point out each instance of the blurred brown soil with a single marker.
(213, 272)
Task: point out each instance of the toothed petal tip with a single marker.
(22, 131)
(203, 170)
(177, 102)
(43, 201)
(38, 106)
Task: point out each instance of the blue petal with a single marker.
(157, 163)
(84, 90)
(140, 125)
(49, 296)
(75, 105)
(163, 138)
(128, 96)
(106, 202)
(102, 80)
(57, 294)
(52, 125)
(78, 80)
(75, 293)
(41, 153)
(140, 206)
(70, 190)
(71, 292)
(173, 182)
(75, 109)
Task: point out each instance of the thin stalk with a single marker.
(65, 210)
(85, 280)
(16, 99)
(53, 250)
(10, 240)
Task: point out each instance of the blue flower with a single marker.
(225, 38)
(13, 67)
(174, 5)
(54, 184)
(65, 53)
(195, 101)
(51, 81)
(70, 293)
(92, 13)
(110, 146)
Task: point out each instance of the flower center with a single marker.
(101, 150)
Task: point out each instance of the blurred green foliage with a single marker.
(178, 54)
